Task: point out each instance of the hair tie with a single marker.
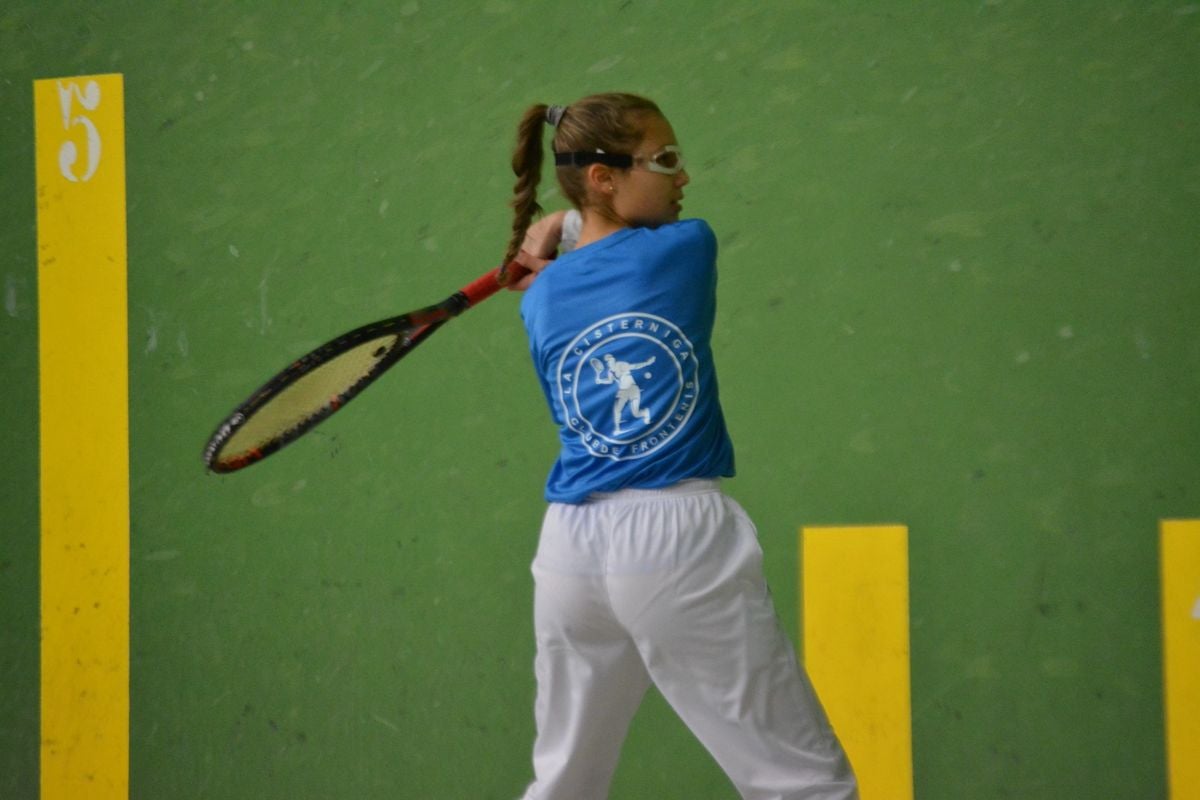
(554, 114)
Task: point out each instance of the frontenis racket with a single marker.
(317, 384)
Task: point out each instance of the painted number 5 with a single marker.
(68, 154)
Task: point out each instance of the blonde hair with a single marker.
(612, 122)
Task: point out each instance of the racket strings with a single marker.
(317, 393)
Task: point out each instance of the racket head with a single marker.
(309, 390)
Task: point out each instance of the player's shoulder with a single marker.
(691, 235)
(694, 229)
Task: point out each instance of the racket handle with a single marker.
(487, 285)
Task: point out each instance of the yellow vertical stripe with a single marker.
(1179, 560)
(83, 383)
(856, 647)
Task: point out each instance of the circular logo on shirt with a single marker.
(627, 385)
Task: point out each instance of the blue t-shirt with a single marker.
(620, 334)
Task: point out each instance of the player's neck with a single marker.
(597, 225)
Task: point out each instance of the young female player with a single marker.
(645, 571)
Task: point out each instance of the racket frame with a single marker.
(413, 328)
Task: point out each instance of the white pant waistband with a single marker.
(683, 488)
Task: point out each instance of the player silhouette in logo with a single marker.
(628, 391)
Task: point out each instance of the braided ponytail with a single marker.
(527, 166)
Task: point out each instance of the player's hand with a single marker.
(540, 247)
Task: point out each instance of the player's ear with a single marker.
(599, 178)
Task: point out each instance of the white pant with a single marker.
(667, 586)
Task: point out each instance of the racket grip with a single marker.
(487, 285)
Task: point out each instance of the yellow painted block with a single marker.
(1179, 560)
(84, 445)
(856, 647)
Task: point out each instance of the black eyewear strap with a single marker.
(582, 159)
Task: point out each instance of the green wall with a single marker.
(959, 291)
